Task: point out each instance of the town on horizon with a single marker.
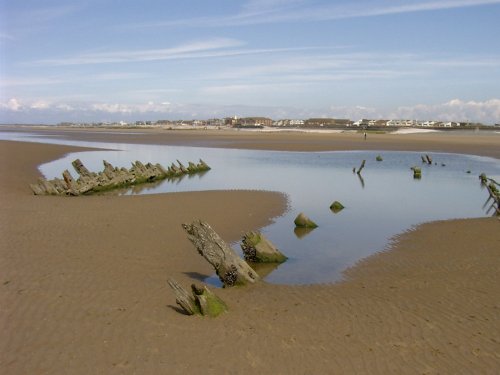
(261, 122)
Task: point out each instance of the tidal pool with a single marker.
(380, 203)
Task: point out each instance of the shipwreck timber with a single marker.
(258, 249)
(112, 177)
(493, 189)
(231, 269)
(202, 301)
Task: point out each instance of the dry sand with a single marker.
(83, 283)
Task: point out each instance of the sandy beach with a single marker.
(83, 280)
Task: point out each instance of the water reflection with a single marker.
(361, 180)
(302, 232)
(392, 202)
(264, 269)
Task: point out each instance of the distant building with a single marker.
(428, 124)
(401, 123)
(255, 121)
(363, 122)
(215, 122)
(327, 122)
(288, 122)
(381, 122)
(296, 122)
(231, 121)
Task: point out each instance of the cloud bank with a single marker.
(41, 111)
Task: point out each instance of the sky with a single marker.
(123, 60)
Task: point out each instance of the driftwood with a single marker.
(231, 269)
(201, 301)
(302, 221)
(258, 249)
(111, 177)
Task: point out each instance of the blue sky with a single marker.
(110, 60)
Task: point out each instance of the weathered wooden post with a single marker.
(417, 172)
(80, 168)
(231, 269)
(361, 167)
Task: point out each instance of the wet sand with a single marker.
(485, 143)
(83, 282)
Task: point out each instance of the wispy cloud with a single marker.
(32, 81)
(319, 63)
(275, 11)
(5, 36)
(321, 67)
(47, 14)
(178, 52)
(140, 55)
(369, 9)
(219, 47)
(65, 79)
(32, 18)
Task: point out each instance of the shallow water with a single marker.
(384, 201)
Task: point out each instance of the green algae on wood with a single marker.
(258, 249)
(209, 303)
(201, 301)
(303, 221)
(336, 207)
(417, 172)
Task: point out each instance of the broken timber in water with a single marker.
(258, 249)
(417, 172)
(231, 269)
(426, 159)
(111, 177)
(361, 167)
(302, 221)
